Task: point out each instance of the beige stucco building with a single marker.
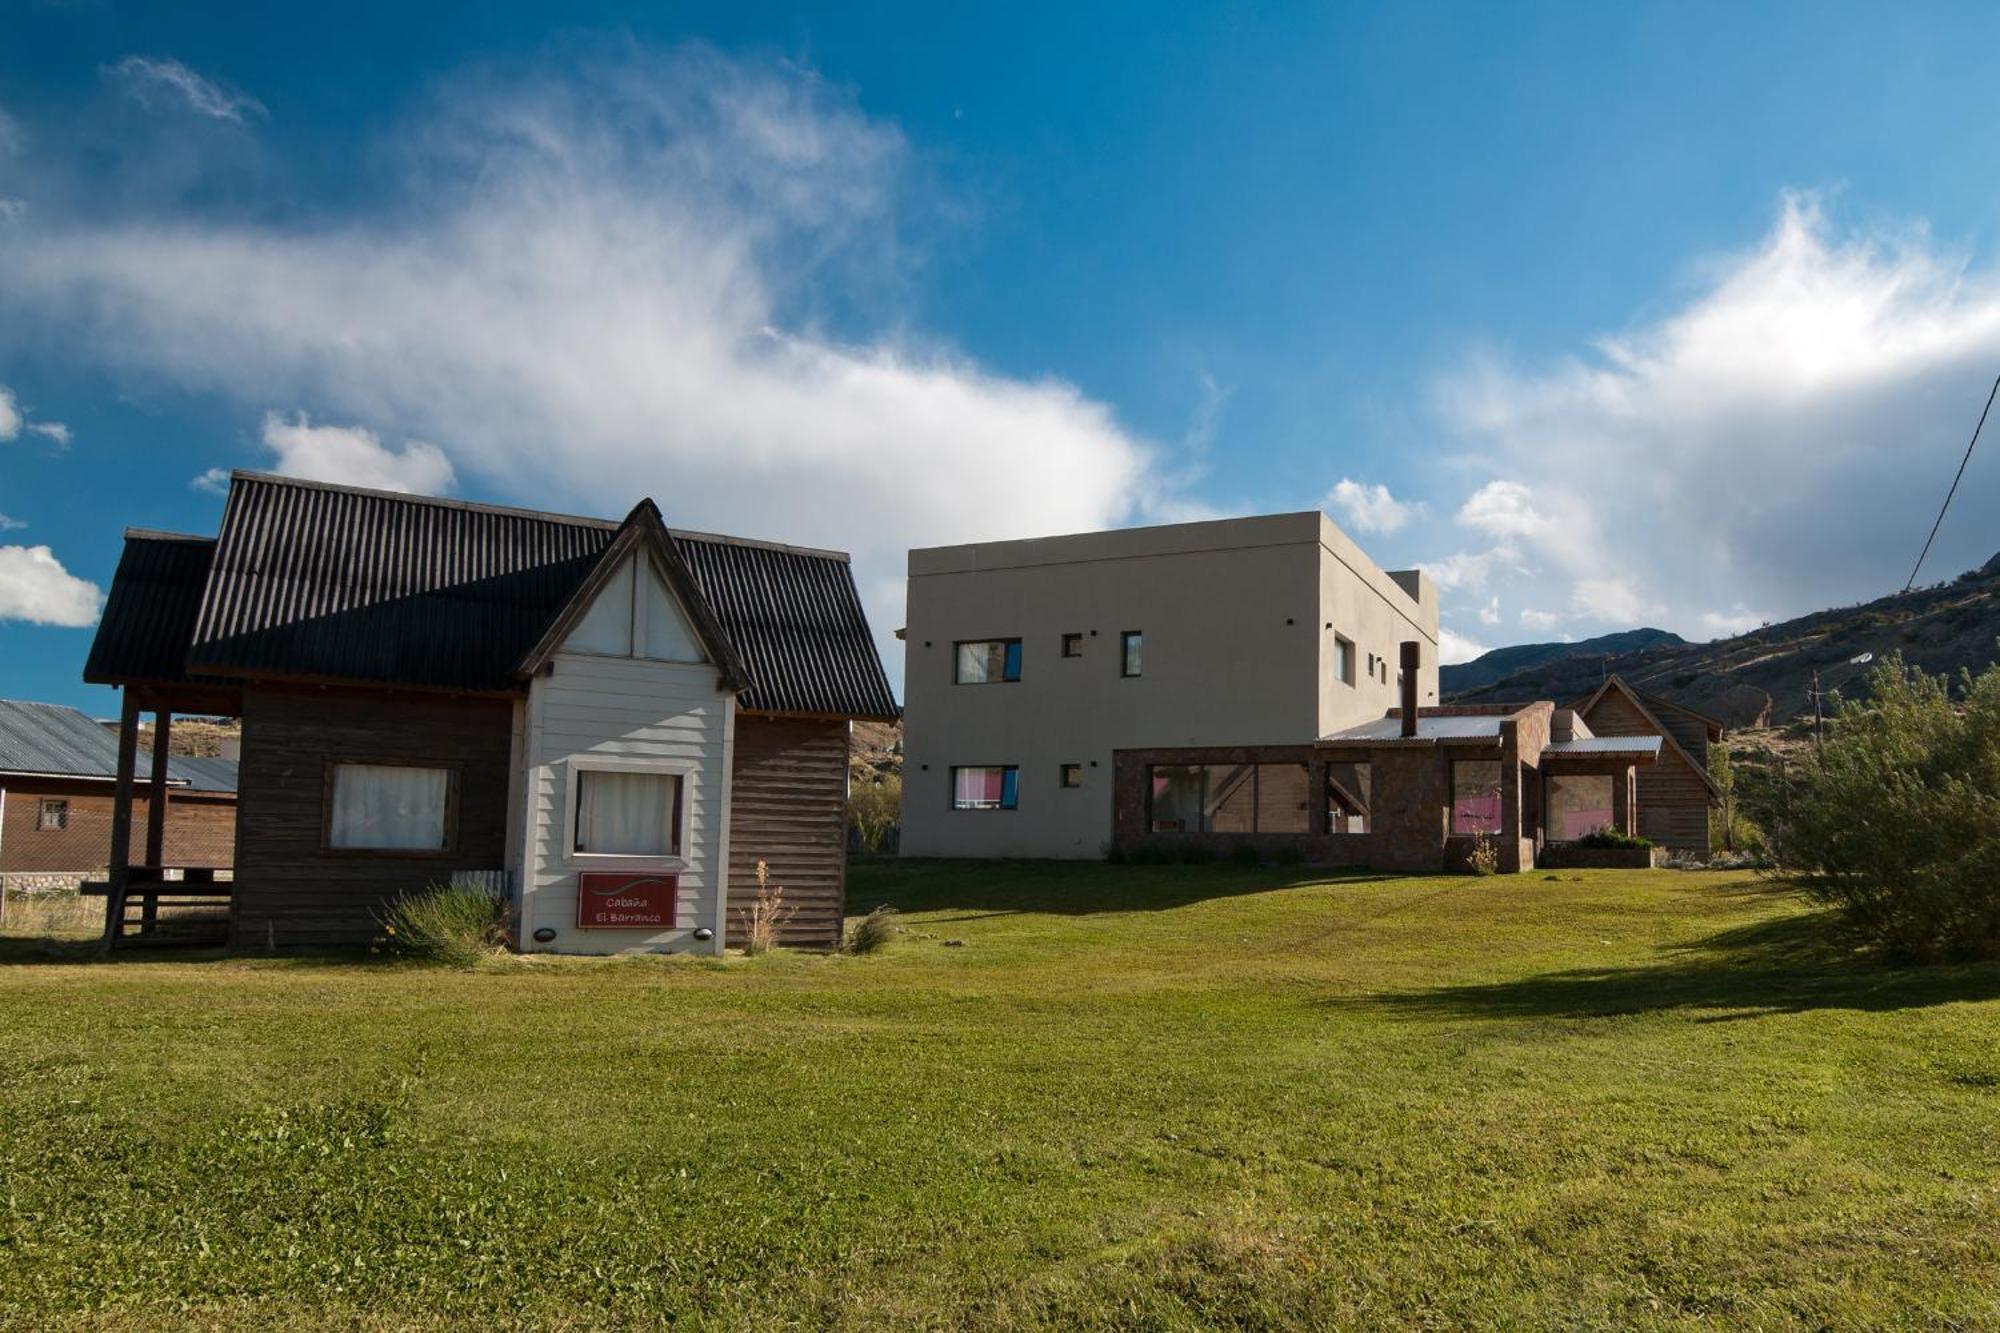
(1029, 663)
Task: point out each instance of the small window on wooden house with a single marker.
(53, 816)
(389, 807)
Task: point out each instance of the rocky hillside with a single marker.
(1490, 668)
(1765, 676)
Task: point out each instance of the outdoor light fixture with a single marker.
(545, 934)
(704, 934)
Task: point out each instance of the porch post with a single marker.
(121, 815)
(1621, 800)
(156, 807)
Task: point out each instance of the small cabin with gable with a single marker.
(611, 723)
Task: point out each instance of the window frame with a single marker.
(1346, 661)
(45, 804)
(1072, 644)
(1126, 639)
(453, 775)
(1500, 793)
(951, 790)
(1064, 773)
(1205, 816)
(574, 766)
(1018, 655)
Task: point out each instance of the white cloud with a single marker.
(1489, 614)
(1470, 570)
(1780, 437)
(1369, 508)
(609, 284)
(1502, 509)
(215, 481)
(1614, 600)
(156, 82)
(1539, 620)
(10, 414)
(351, 456)
(8, 523)
(54, 430)
(36, 588)
(1454, 647)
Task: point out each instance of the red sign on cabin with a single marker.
(622, 900)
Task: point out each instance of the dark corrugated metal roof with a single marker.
(60, 741)
(149, 617)
(324, 582)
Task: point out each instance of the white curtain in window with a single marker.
(625, 814)
(389, 807)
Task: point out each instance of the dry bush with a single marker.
(873, 931)
(1484, 858)
(767, 913)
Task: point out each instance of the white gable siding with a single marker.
(627, 711)
(636, 615)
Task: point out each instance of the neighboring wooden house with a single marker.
(1676, 794)
(57, 770)
(616, 720)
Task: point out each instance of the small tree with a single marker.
(874, 808)
(1897, 820)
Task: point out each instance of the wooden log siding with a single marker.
(289, 890)
(789, 809)
(201, 827)
(1673, 798)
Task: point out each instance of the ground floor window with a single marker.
(53, 816)
(1228, 798)
(1072, 775)
(1347, 797)
(1475, 796)
(985, 787)
(621, 813)
(1579, 804)
(389, 807)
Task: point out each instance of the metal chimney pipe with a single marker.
(1412, 656)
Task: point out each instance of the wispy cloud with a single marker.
(14, 419)
(1370, 507)
(157, 82)
(8, 523)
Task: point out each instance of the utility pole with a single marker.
(1819, 714)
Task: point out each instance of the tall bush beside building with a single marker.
(1896, 821)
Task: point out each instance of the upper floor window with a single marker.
(1343, 658)
(1072, 645)
(987, 662)
(53, 817)
(985, 787)
(1131, 647)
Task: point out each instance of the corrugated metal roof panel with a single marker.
(61, 741)
(1605, 745)
(149, 617)
(1428, 729)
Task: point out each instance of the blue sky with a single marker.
(1605, 314)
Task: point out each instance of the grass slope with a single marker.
(1134, 1097)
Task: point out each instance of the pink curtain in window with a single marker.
(1583, 823)
(979, 786)
(1476, 814)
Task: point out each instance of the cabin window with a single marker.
(985, 787)
(1072, 645)
(1475, 796)
(1131, 652)
(1228, 798)
(988, 662)
(1072, 775)
(389, 807)
(621, 813)
(1347, 797)
(53, 816)
(1579, 804)
(1343, 659)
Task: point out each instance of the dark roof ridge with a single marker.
(162, 535)
(513, 511)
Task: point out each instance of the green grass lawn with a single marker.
(1129, 1097)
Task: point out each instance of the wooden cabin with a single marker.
(1676, 794)
(608, 721)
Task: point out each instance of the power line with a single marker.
(1954, 486)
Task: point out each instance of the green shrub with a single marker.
(1896, 822)
(453, 924)
(873, 931)
(1289, 854)
(873, 808)
(1244, 854)
(1611, 837)
(1196, 854)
